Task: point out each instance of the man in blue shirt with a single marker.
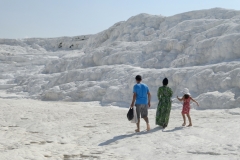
(141, 99)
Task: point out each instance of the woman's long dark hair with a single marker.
(186, 96)
(165, 82)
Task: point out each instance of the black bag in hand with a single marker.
(130, 114)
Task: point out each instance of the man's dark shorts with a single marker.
(142, 109)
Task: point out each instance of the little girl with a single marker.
(186, 106)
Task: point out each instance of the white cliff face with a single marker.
(199, 50)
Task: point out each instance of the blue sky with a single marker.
(54, 18)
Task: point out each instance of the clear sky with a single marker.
(54, 18)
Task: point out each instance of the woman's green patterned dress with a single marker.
(164, 106)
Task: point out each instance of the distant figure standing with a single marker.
(141, 99)
(186, 106)
(164, 106)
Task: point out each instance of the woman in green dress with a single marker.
(164, 106)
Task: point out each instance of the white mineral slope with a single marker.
(40, 130)
(199, 50)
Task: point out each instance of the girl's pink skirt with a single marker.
(185, 109)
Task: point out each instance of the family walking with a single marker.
(142, 100)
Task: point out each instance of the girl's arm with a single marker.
(180, 99)
(194, 101)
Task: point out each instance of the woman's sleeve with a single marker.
(171, 92)
(159, 93)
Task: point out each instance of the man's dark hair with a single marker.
(138, 78)
(165, 82)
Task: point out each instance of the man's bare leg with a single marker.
(138, 126)
(147, 122)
